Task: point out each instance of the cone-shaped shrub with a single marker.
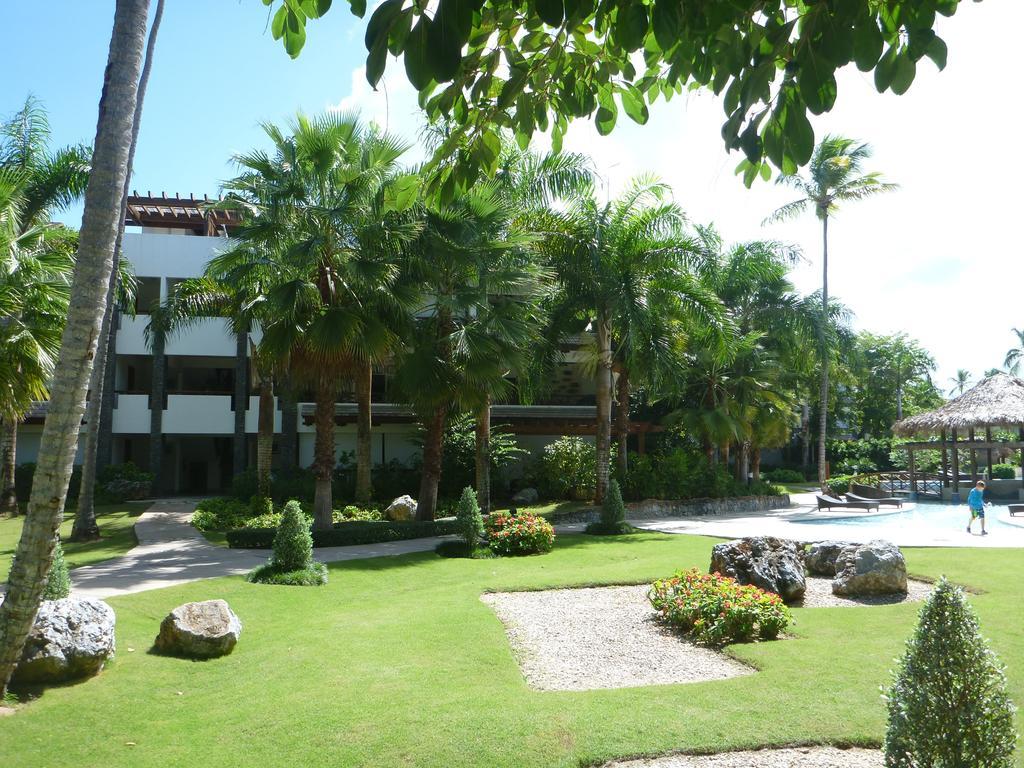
(468, 519)
(948, 705)
(58, 583)
(613, 513)
(293, 543)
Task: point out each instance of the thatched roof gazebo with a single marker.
(995, 402)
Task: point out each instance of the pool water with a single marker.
(927, 515)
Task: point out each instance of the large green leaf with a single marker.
(903, 72)
(400, 194)
(551, 12)
(606, 111)
(867, 45)
(633, 104)
(417, 58)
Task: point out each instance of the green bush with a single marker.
(24, 473)
(948, 704)
(716, 610)
(220, 514)
(261, 505)
(839, 484)
(613, 514)
(272, 520)
(58, 582)
(293, 544)
(314, 575)
(1004, 472)
(682, 473)
(352, 512)
(458, 460)
(567, 469)
(348, 534)
(468, 519)
(784, 476)
(521, 534)
(116, 483)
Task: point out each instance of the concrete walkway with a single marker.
(171, 552)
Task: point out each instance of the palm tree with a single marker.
(43, 183)
(960, 382)
(609, 259)
(1015, 356)
(475, 325)
(94, 263)
(323, 207)
(834, 177)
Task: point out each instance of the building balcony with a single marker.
(519, 417)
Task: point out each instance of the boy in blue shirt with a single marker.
(976, 503)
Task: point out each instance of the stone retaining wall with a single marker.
(653, 509)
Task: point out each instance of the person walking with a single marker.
(976, 504)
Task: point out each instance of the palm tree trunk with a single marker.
(604, 405)
(8, 466)
(105, 436)
(265, 435)
(95, 260)
(289, 422)
(483, 456)
(364, 426)
(622, 423)
(323, 455)
(755, 462)
(805, 436)
(742, 457)
(238, 447)
(823, 414)
(158, 393)
(85, 527)
(433, 450)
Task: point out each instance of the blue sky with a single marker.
(941, 258)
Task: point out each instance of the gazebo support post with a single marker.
(913, 476)
(945, 464)
(1020, 434)
(955, 496)
(974, 457)
(988, 439)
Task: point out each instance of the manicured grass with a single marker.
(116, 529)
(397, 662)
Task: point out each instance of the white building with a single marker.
(197, 440)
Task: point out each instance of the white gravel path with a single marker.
(601, 637)
(794, 757)
(819, 595)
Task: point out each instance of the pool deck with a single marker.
(790, 523)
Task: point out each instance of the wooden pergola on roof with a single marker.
(995, 402)
(178, 212)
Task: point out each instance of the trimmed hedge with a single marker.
(346, 534)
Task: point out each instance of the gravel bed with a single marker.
(794, 757)
(601, 637)
(819, 595)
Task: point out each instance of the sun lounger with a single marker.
(828, 502)
(1016, 509)
(882, 500)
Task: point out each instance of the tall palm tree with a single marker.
(44, 182)
(960, 382)
(1015, 355)
(608, 259)
(834, 177)
(475, 324)
(325, 208)
(94, 262)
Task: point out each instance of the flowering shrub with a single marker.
(716, 610)
(522, 534)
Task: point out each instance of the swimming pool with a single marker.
(925, 515)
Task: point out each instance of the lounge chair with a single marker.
(879, 500)
(828, 502)
(1016, 509)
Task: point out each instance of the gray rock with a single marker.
(526, 497)
(775, 565)
(402, 508)
(71, 638)
(821, 557)
(875, 568)
(199, 630)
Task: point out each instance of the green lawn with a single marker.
(116, 528)
(397, 662)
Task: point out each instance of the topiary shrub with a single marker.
(613, 514)
(948, 704)
(520, 534)
(468, 520)
(292, 560)
(58, 583)
(1003, 472)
